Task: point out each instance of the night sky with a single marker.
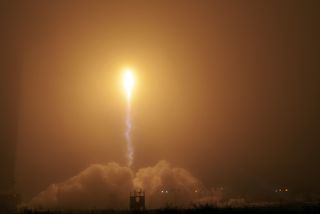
(228, 90)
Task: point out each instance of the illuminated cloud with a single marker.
(108, 187)
(98, 186)
(166, 185)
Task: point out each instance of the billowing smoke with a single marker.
(167, 186)
(98, 186)
(108, 187)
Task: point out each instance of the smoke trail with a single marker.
(128, 85)
(128, 133)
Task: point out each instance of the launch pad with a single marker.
(137, 200)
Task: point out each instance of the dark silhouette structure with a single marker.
(137, 200)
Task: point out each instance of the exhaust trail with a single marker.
(128, 133)
(128, 82)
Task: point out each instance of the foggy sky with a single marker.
(226, 89)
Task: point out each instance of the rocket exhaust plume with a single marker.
(128, 82)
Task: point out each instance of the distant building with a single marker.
(137, 200)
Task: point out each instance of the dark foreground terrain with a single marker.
(292, 208)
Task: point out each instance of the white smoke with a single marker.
(167, 186)
(98, 186)
(108, 187)
(128, 134)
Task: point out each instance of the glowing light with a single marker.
(128, 82)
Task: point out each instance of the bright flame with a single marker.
(128, 82)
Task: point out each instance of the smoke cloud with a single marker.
(108, 187)
(167, 186)
(98, 186)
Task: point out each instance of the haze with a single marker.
(228, 90)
